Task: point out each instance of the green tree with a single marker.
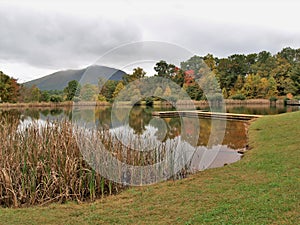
(281, 74)
(195, 63)
(194, 91)
(251, 60)
(107, 88)
(36, 94)
(165, 70)
(294, 74)
(291, 55)
(272, 87)
(71, 90)
(289, 86)
(56, 98)
(264, 64)
(225, 75)
(89, 92)
(178, 78)
(45, 96)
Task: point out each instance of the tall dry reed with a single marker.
(42, 164)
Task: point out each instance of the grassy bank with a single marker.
(262, 188)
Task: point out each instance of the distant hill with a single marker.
(60, 79)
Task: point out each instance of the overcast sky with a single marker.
(41, 37)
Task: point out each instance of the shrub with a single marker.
(55, 98)
(149, 101)
(297, 97)
(217, 97)
(273, 99)
(76, 99)
(101, 98)
(238, 97)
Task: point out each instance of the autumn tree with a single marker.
(135, 96)
(9, 88)
(179, 77)
(107, 88)
(158, 92)
(167, 92)
(272, 87)
(138, 73)
(195, 63)
(30, 94)
(89, 92)
(251, 86)
(117, 90)
(238, 86)
(263, 88)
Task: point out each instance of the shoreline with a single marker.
(51, 104)
(229, 102)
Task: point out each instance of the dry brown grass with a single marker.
(251, 102)
(43, 164)
(53, 104)
(40, 164)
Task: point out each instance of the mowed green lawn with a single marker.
(262, 188)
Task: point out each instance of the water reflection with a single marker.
(149, 132)
(194, 143)
(257, 109)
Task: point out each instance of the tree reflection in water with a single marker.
(150, 132)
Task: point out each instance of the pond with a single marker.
(202, 143)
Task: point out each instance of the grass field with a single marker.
(262, 188)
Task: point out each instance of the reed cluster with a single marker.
(249, 102)
(43, 164)
(53, 104)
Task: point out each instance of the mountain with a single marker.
(91, 74)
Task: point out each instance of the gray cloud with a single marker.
(47, 39)
(223, 39)
(54, 40)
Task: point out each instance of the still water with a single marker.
(215, 143)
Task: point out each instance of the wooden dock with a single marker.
(203, 114)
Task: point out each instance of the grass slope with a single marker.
(262, 188)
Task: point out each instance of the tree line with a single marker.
(239, 76)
